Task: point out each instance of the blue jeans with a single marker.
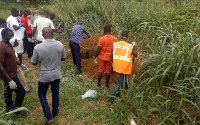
(20, 93)
(121, 80)
(42, 91)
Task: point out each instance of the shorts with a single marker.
(105, 65)
(20, 48)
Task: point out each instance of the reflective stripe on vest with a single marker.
(122, 58)
(125, 57)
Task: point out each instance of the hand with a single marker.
(95, 60)
(21, 24)
(29, 39)
(12, 85)
(24, 66)
(133, 43)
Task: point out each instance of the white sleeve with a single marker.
(51, 24)
(13, 22)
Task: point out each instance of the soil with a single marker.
(90, 68)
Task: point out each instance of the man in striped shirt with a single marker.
(75, 41)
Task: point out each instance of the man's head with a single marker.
(80, 22)
(14, 12)
(22, 12)
(47, 33)
(46, 13)
(107, 30)
(52, 15)
(3, 23)
(7, 34)
(27, 13)
(124, 34)
(34, 13)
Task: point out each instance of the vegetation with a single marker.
(166, 90)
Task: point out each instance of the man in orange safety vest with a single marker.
(123, 58)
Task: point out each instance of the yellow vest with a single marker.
(122, 57)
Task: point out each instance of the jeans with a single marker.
(42, 91)
(76, 54)
(20, 93)
(121, 80)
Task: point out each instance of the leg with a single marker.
(24, 43)
(55, 96)
(77, 53)
(30, 46)
(99, 79)
(20, 93)
(117, 87)
(20, 58)
(108, 70)
(8, 96)
(22, 78)
(42, 91)
(72, 51)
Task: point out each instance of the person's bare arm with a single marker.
(98, 51)
(4, 73)
(34, 30)
(18, 27)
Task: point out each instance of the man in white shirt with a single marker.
(40, 23)
(18, 30)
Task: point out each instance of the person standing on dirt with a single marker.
(50, 72)
(28, 42)
(104, 50)
(40, 23)
(123, 57)
(8, 73)
(74, 43)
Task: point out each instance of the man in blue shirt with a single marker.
(75, 41)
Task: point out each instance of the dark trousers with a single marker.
(76, 54)
(42, 91)
(121, 81)
(28, 46)
(20, 93)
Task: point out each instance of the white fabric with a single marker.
(20, 48)
(19, 34)
(40, 23)
(0, 34)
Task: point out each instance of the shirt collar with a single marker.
(49, 40)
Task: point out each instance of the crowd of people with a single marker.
(17, 38)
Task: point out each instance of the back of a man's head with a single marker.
(107, 29)
(80, 22)
(46, 13)
(47, 33)
(2, 21)
(124, 34)
(4, 32)
(14, 11)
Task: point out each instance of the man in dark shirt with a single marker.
(75, 41)
(8, 72)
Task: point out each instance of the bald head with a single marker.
(47, 33)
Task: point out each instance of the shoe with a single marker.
(98, 85)
(49, 122)
(111, 100)
(8, 109)
(78, 71)
(25, 67)
(107, 86)
(55, 114)
(22, 113)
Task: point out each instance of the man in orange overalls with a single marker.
(123, 56)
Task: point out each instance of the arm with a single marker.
(34, 59)
(85, 31)
(63, 58)
(17, 27)
(4, 73)
(34, 30)
(134, 53)
(98, 51)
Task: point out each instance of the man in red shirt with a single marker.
(28, 42)
(104, 50)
